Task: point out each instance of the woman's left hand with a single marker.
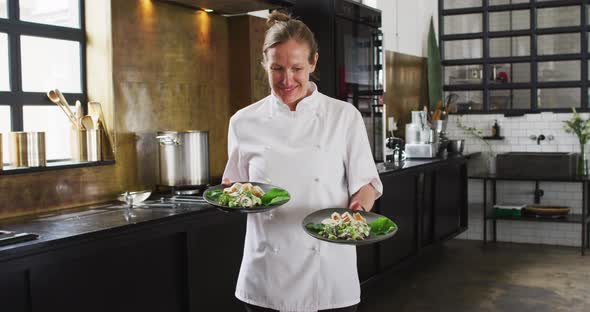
(356, 205)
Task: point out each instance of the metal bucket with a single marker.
(27, 149)
(86, 145)
(183, 158)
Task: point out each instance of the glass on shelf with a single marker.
(463, 49)
(558, 71)
(510, 46)
(548, 98)
(509, 20)
(510, 99)
(558, 44)
(463, 74)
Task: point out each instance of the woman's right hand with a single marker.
(226, 182)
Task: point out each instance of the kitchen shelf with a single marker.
(493, 138)
(56, 165)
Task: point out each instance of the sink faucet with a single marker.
(540, 138)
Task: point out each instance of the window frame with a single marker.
(534, 85)
(15, 28)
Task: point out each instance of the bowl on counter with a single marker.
(455, 146)
(134, 198)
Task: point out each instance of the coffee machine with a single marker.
(421, 138)
(393, 147)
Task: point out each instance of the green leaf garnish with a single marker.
(275, 196)
(382, 226)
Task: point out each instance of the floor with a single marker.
(464, 275)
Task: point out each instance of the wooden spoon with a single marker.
(87, 123)
(64, 101)
(52, 95)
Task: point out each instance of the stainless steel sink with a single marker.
(536, 164)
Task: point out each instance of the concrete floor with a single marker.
(465, 276)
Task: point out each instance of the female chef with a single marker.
(317, 148)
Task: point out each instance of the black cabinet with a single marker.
(14, 292)
(399, 203)
(449, 200)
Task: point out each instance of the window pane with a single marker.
(511, 46)
(55, 124)
(510, 72)
(4, 129)
(501, 2)
(456, 4)
(463, 49)
(558, 97)
(463, 24)
(559, 71)
(55, 12)
(558, 44)
(4, 69)
(57, 67)
(467, 100)
(558, 17)
(3, 9)
(510, 99)
(510, 20)
(464, 74)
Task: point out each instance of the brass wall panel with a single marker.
(406, 87)
(169, 71)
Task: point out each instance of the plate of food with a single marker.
(246, 197)
(344, 226)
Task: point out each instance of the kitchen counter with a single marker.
(106, 257)
(410, 164)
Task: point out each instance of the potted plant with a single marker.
(581, 128)
(489, 156)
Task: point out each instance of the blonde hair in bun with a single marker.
(283, 28)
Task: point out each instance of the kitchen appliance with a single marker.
(350, 66)
(183, 158)
(456, 146)
(27, 149)
(421, 139)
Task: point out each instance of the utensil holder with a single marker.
(27, 149)
(86, 145)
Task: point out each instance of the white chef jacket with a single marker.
(320, 153)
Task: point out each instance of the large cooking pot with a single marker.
(184, 158)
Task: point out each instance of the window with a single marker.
(516, 55)
(42, 47)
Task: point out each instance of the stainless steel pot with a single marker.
(27, 149)
(183, 157)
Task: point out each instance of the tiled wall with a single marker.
(516, 131)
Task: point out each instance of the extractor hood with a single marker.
(233, 6)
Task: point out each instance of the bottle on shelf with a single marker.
(495, 129)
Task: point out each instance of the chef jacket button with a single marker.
(318, 115)
(270, 215)
(317, 179)
(317, 147)
(314, 248)
(276, 250)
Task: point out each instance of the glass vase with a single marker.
(582, 161)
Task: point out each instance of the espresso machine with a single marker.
(421, 139)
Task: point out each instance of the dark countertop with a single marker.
(409, 164)
(72, 225)
(62, 227)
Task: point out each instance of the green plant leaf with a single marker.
(434, 69)
(315, 227)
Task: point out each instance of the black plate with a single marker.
(317, 217)
(255, 209)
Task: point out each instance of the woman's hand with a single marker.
(363, 199)
(226, 182)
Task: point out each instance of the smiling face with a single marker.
(288, 68)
